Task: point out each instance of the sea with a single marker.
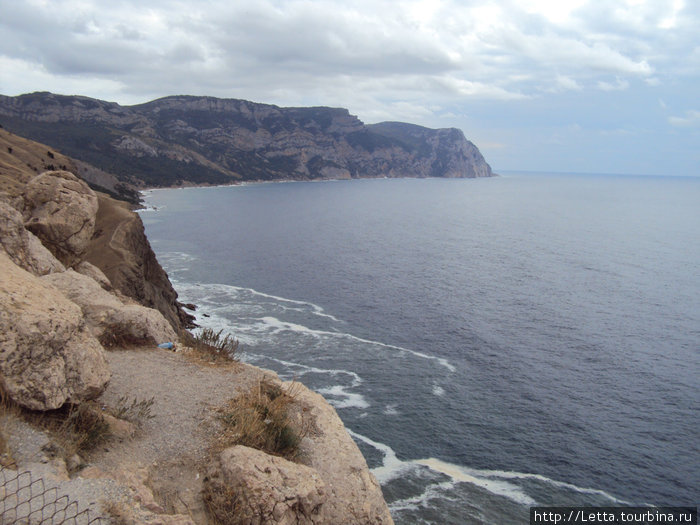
(491, 344)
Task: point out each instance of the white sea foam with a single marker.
(438, 390)
(433, 491)
(560, 484)
(294, 327)
(267, 322)
(465, 475)
(316, 309)
(391, 466)
(301, 369)
(347, 399)
(494, 481)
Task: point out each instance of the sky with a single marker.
(600, 86)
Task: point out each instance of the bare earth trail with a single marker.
(171, 446)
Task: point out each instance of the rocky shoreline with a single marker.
(84, 305)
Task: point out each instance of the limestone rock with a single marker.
(247, 486)
(226, 140)
(354, 495)
(22, 246)
(107, 316)
(95, 273)
(47, 354)
(61, 210)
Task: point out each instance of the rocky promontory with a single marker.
(181, 140)
(83, 306)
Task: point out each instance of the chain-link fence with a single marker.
(25, 500)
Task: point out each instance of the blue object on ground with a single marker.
(169, 346)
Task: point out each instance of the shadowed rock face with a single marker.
(179, 140)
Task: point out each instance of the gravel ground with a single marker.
(161, 466)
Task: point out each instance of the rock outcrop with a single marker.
(117, 245)
(246, 486)
(198, 140)
(47, 354)
(353, 493)
(110, 319)
(22, 246)
(329, 483)
(61, 210)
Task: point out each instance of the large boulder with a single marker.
(247, 486)
(47, 354)
(110, 319)
(354, 495)
(22, 246)
(329, 484)
(60, 209)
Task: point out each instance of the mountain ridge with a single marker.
(198, 140)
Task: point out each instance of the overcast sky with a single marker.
(608, 86)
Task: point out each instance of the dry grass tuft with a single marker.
(76, 429)
(135, 411)
(260, 419)
(212, 347)
(222, 505)
(7, 408)
(119, 513)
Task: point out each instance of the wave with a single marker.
(498, 482)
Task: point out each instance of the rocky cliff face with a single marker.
(58, 211)
(181, 139)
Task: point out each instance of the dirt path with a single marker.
(171, 446)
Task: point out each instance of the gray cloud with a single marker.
(438, 62)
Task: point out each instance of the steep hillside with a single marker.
(204, 140)
(118, 246)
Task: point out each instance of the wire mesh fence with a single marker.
(26, 500)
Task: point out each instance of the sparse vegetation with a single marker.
(6, 408)
(214, 346)
(135, 411)
(118, 511)
(260, 419)
(76, 428)
(223, 504)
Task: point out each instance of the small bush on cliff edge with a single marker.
(259, 418)
(213, 346)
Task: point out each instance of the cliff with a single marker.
(116, 243)
(204, 140)
(79, 364)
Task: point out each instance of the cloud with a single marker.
(691, 118)
(521, 63)
(618, 85)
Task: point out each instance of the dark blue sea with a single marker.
(491, 344)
